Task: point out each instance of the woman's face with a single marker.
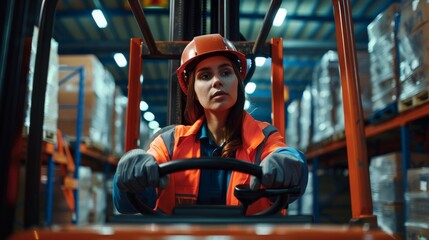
(216, 84)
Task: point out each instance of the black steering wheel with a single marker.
(241, 192)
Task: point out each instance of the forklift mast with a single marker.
(180, 35)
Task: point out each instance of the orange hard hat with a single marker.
(205, 46)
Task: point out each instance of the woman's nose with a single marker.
(217, 81)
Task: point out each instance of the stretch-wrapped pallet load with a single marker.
(325, 77)
(119, 122)
(383, 58)
(386, 187)
(364, 65)
(413, 42)
(417, 203)
(99, 195)
(98, 91)
(51, 97)
(305, 119)
(365, 91)
(293, 127)
(327, 95)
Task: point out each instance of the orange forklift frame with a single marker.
(361, 200)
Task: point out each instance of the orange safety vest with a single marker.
(183, 186)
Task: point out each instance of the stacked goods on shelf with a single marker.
(387, 192)
(365, 89)
(305, 119)
(99, 87)
(118, 123)
(325, 77)
(413, 43)
(61, 210)
(51, 96)
(417, 203)
(145, 134)
(293, 126)
(382, 51)
(91, 202)
(86, 200)
(327, 97)
(364, 83)
(99, 195)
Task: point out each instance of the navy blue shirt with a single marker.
(213, 183)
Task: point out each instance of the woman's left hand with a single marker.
(278, 171)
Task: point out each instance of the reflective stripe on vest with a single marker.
(167, 135)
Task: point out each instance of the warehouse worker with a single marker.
(211, 75)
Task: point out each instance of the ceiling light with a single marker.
(149, 116)
(143, 106)
(280, 17)
(120, 59)
(260, 61)
(99, 18)
(250, 87)
(153, 125)
(246, 104)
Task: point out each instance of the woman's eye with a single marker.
(204, 76)
(225, 73)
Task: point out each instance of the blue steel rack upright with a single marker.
(79, 122)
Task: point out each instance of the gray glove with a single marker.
(278, 170)
(138, 170)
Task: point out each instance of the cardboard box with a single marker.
(417, 205)
(391, 163)
(384, 22)
(417, 231)
(418, 179)
(93, 74)
(414, 51)
(414, 14)
(98, 90)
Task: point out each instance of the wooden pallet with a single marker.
(414, 101)
(389, 111)
(339, 135)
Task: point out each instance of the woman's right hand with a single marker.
(138, 170)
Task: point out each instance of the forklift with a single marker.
(197, 222)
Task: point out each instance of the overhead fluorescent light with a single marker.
(120, 59)
(143, 106)
(99, 18)
(148, 116)
(260, 61)
(246, 104)
(250, 87)
(153, 125)
(280, 17)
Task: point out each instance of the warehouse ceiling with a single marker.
(308, 32)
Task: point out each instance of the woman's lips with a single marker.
(218, 93)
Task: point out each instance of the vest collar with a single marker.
(251, 138)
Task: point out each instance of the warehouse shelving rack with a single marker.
(381, 122)
(399, 122)
(72, 72)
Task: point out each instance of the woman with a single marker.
(210, 75)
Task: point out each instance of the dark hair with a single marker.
(194, 110)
